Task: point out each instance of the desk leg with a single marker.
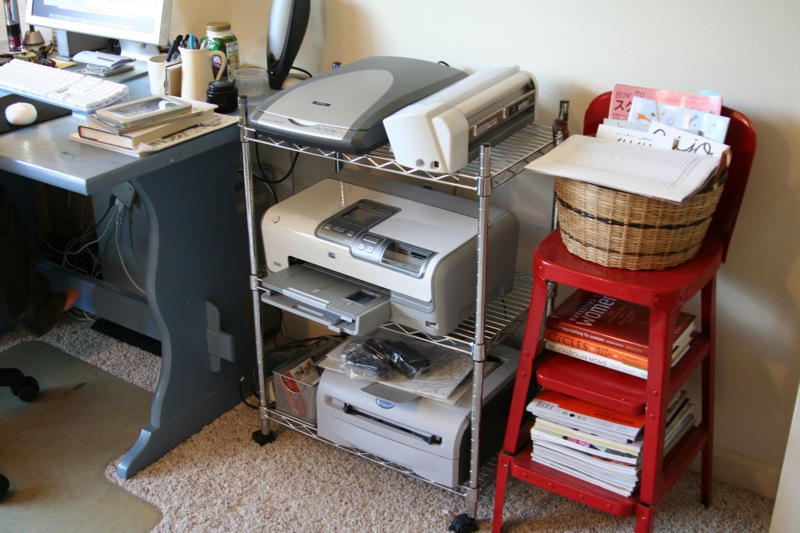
(197, 256)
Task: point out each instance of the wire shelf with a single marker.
(503, 315)
(485, 474)
(508, 158)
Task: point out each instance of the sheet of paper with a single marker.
(634, 137)
(686, 141)
(668, 174)
(709, 125)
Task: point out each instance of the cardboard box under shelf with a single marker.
(296, 388)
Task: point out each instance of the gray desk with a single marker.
(197, 295)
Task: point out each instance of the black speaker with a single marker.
(288, 21)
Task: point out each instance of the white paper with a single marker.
(709, 125)
(668, 174)
(686, 141)
(634, 137)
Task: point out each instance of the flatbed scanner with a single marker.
(355, 251)
(429, 437)
(343, 109)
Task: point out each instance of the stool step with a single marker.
(593, 383)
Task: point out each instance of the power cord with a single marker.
(120, 215)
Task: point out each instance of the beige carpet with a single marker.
(220, 480)
(54, 449)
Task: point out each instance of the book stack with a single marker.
(598, 445)
(149, 124)
(610, 332)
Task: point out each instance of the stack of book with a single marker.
(598, 445)
(149, 124)
(610, 332)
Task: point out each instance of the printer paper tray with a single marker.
(341, 303)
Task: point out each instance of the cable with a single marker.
(120, 213)
(294, 156)
(304, 71)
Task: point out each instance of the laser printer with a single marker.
(443, 131)
(429, 437)
(354, 251)
(343, 109)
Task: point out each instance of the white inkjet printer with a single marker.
(443, 132)
(429, 437)
(355, 251)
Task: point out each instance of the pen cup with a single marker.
(157, 71)
(197, 73)
(165, 78)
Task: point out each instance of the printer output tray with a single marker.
(343, 304)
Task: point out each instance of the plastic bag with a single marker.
(382, 360)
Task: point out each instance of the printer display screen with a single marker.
(362, 216)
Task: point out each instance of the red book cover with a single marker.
(610, 321)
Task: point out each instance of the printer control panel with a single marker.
(350, 227)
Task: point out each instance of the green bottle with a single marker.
(219, 37)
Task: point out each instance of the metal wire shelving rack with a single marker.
(492, 166)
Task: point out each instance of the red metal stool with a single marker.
(664, 292)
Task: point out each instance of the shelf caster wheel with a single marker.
(463, 523)
(263, 438)
(28, 390)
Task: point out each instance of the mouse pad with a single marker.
(44, 111)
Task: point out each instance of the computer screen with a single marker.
(139, 25)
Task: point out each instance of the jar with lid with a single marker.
(219, 37)
(224, 94)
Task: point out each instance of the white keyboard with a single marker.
(79, 92)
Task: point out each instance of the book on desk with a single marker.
(161, 133)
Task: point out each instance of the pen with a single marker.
(192, 42)
(174, 47)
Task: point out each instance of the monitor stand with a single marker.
(70, 43)
(139, 51)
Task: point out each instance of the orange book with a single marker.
(581, 343)
(612, 322)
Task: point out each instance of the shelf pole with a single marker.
(484, 192)
(246, 135)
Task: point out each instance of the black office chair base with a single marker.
(26, 388)
(4, 486)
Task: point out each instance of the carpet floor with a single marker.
(55, 449)
(220, 480)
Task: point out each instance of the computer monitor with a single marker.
(140, 26)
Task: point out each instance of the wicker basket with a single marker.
(624, 230)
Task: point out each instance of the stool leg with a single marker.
(708, 315)
(644, 519)
(503, 466)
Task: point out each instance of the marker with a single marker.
(174, 47)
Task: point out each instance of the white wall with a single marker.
(578, 48)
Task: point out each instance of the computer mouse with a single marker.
(21, 114)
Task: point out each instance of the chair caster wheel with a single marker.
(463, 523)
(4, 486)
(28, 390)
